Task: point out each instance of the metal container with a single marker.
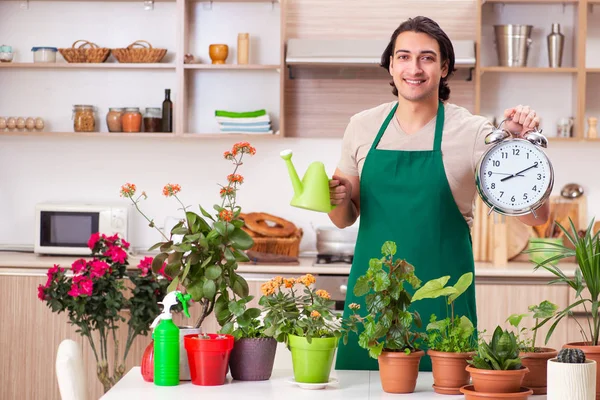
(556, 43)
(512, 44)
(335, 241)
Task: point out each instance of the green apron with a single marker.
(405, 197)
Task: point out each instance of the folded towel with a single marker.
(263, 118)
(246, 124)
(248, 133)
(246, 114)
(246, 129)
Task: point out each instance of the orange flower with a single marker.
(235, 178)
(354, 306)
(315, 314)
(244, 148)
(267, 288)
(128, 190)
(227, 191)
(289, 282)
(323, 294)
(278, 281)
(228, 155)
(307, 279)
(171, 189)
(226, 215)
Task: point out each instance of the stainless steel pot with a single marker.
(335, 241)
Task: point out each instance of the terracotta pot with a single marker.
(449, 371)
(497, 381)
(218, 53)
(471, 394)
(252, 359)
(398, 371)
(538, 369)
(591, 353)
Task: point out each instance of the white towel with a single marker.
(248, 133)
(262, 118)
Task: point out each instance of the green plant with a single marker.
(240, 321)
(95, 294)
(572, 356)
(306, 312)
(501, 353)
(587, 276)
(204, 258)
(388, 324)
(453, 334)
(543, 310)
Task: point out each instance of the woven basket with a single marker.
(139, 55)
(83, 54)
(287, 246)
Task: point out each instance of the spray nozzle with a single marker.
(169, 301)
(183, 299)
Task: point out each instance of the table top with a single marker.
(359, 385)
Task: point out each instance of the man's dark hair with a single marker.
(430, 27)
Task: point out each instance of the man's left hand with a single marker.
(520, 119)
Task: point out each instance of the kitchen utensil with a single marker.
(335, 241)
(218, 53)
(556, 42)
(592, 132)
(518, 235)
(564, 127)
(44, 54)
(571, 191)
(86, 52)
(512, 44)
(312, 193)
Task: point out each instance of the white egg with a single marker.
(2, 123)
(39, 123)
(20, 123)
(30, 124)
(11, 123)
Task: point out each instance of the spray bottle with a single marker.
(166, 341)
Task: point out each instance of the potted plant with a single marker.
(586, 283)
(253, 353)
(496, 367)
(388, 332)
(533, 357)
(571, 376)
(451, 341)
(301, 317)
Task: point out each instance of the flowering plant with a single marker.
(302, 312)
(93, 294)
(204, 257)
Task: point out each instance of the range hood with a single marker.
(358, 52)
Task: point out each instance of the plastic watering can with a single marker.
(312, 193)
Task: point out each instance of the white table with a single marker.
(359, 385)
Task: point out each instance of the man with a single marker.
(407, 168)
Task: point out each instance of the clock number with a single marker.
(504, 155)
(528, 156)
(539, 177)
(493, 186)
(534, 188)
(516, 153)
(489, 173)
(501, 193)
(524, 196)
(512, 199)
(496, 163)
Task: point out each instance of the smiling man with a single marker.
(407, 168)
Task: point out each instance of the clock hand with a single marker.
(513, 175)
(503, 173)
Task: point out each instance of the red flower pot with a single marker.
(148, 363)
(208, 358)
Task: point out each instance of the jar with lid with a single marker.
(132, 120)
(113, 119)
(153, 119)
(84, 118)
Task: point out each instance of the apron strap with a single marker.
(384, 127)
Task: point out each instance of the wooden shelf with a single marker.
(535, 1)
(230, 67)
(564, 139)
(593, 70)
(89, 134)
(13, 65)
(536, 70)
(238, 136)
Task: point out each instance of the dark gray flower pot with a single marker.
(252, 359)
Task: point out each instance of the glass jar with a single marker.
(153, 119)
(84, 118)
(113, 119)
(132, 120)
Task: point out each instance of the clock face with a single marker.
(515, 176)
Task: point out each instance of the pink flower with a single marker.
(81, 286)
(110, 240)
(125, 243)
(41, 292)
(93, 240)
(116, 254)
(51, 273)
(162, 272)
(98, 269)
(79, 266)
(145, 265)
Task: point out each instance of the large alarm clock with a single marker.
(514, 176)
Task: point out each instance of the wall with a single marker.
(38, 169)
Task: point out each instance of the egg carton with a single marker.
(21, 123)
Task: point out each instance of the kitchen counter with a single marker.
(359, 385)
(32, 264)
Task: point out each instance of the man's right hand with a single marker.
(340, 190)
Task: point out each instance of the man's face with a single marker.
(416, 66)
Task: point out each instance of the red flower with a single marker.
(116, 254)
(235, 178)
(93, 240)
(162, 272)
(98, 269)
(125, 243)
(41, 292)
(51, 273)
(226, 215)
(81, 286)
(110, 240)
(228, 155)
(79, 266)
(128, 190)
(145, 265)
(171, 189)
(227, 191)
(244, 148)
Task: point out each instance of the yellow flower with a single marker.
(323, 294)
(315, 314)
(267, 288)
(278, 281)
(307, 279)
(289, 283)
(354, 306)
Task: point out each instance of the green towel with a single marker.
(247, 114)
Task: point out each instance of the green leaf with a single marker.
(224, 228)
(205, 213)
(362, 286)
(156, 246)
(209, 289)
(433, 289)
(545, 309)
(461, 286)
(375, 265)
(240, 286)
(240, 256)
(388, 248)
(179, 231)
(381, 281)
(466, 326)
(227, 328)
(173, 285)
(243, 321)
(213, 272)
(241, 240)
(229, 256)
(515, 319)
(158, 261)
(236, 308)
(196, 290)
(253, 312)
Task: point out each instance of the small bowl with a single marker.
(471, 394)
(218, 53)
(6, 56)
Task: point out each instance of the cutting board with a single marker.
(518, 235)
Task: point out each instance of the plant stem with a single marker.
(116, 343)
(135, 203)
(534, 333)
(203, 314)
(237, 165)
(131, 334)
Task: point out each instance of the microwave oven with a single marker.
(66, 228)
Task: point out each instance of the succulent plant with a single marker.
(572, 356)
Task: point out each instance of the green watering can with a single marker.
(313, 192)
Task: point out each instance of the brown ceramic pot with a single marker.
(398, 371)
(537, 363)
(218, 53)
(471, 394)
(591, 353)
(449, 371)
(497, 381)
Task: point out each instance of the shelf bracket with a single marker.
(24, 5)
(148, 5)
(290, 75)
(470, 77)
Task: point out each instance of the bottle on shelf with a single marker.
(167, 112)
(556, 42)
(592, 128)
(243, 48)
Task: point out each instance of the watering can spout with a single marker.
(312, 193)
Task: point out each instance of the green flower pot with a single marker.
(312, 361)
(542, 243)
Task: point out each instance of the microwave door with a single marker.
(67, 232)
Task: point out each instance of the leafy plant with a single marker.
(204, 257)
(501, 353)
(587, 275)
(544, 310)
(389, 323)
(453, 334)
(241, 322)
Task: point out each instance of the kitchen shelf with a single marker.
(536, 70)
(230, 67)
(593, 70)
(159, 66)
(534, 1)
(238, 136)
(90, 134)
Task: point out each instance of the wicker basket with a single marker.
(141, 55)
(287, 246)
(83, 54)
